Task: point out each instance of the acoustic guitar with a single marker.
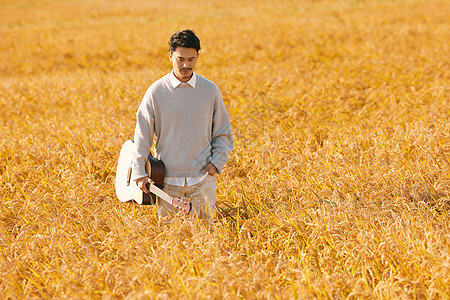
(127, 190)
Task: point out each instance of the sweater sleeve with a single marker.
(143, 136)
(221, 134)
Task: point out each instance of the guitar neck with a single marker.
(181, 204)
(160, 193)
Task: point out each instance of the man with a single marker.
(186, 114)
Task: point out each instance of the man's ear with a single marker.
(170, 55)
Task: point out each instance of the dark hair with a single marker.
(185, 38)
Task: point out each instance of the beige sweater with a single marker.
(190, 123)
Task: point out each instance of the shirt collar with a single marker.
(175, 82)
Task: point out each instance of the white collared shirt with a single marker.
(182, 181)
(176, 83)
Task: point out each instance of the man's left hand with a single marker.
(211, 169)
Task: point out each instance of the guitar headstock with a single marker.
(182, 205)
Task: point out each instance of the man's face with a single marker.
(183, 60)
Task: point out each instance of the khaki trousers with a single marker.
(202, 196)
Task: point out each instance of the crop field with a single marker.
(338, 186)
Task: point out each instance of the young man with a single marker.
(186, 114)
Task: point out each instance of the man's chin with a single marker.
(186, 76)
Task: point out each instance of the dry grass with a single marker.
(338, 187)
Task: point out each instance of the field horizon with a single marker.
(338, 186)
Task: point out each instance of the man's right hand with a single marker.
(142, 183)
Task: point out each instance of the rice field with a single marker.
(338, 186)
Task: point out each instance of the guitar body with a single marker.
(127, 190)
